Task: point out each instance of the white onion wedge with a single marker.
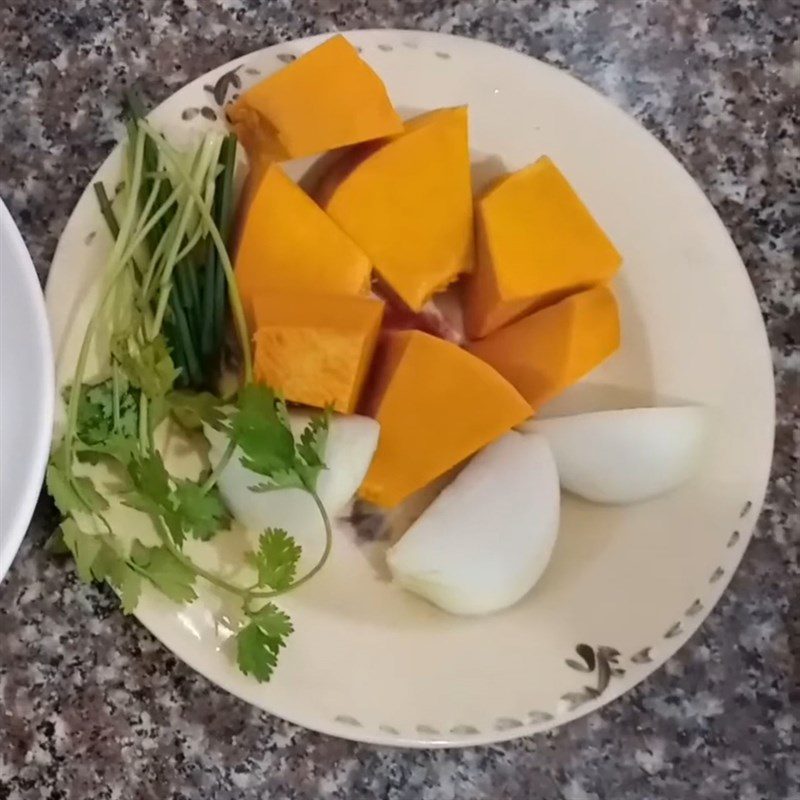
(487, 538)
(625, 456)
(351, 444)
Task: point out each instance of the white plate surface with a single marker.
(627, 586)
(26, 389)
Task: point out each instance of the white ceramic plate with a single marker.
(26, 389)
(627, 586)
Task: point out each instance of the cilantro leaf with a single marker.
(314, 438)
(150, 477)
(88, 494)
(276, 559)
(96, 413)
(112, 568)
(59, 488)
(256, 653)
(149, 368)
(171, 576)
(260, 429)
(282, 411)
(95, 559)
(129, 585)
(72, 494)
(116, 446)
(97, 432)
(202, 512)
(152, 493)
(272, 621)
(83, 546)
(311, 448)
(106, 562)
(280, 479)
(55, 544)
(192, 409)
(260, 641)
(185, 509)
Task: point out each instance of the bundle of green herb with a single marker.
(166, 290)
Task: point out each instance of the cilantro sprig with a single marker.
(160, 219)
(261, 429)
(259, 642)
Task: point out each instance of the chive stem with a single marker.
(233, 293)
(184, 336)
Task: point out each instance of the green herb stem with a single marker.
(233, 293)
(219, 467)
(115, 384)
(181, 288)
(185, 338)
(144, 437)
(209, 283)
(250, 595)
(119, 263)
(206, 155)
(106, 209)
(225, 224)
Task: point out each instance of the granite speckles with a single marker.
(92, 706)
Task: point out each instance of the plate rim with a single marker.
(754, 504)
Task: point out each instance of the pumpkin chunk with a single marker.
(325, 99)
(537, 243)
(288, 242)
(409, 206)
(437, 405)
(546, 352)
(315, 349)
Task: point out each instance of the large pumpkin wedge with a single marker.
(547, 351)
(437, 405)
(328, 98)
(316, 349)
(408, 205)
(537, 242)
(288, 242)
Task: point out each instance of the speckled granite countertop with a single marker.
(93, 707)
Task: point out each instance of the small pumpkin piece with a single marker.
(315, 349)
(328, 98)
(288, 242)
(437, 405)
(548, 351)
(537, 243)
(409, 206)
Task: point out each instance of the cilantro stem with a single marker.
(249, 595)
(119, 263)
(220, 583)
(316, 568)
(219, 467)
(325, 552)
(144, 438)
(116, 391)
(130, 235)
